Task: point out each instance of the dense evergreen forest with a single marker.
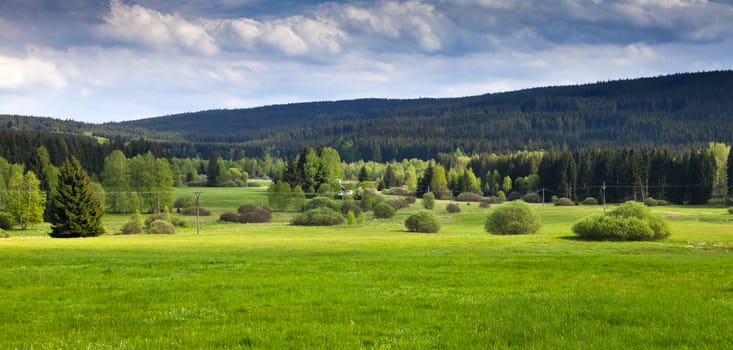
(676, 111)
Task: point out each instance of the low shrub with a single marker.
(349, 205)
(469, 197)
(493, 200)
(589, 201)
(453, 208)
(398, 203)
(423, 221)
(133, 226)
(532, 197)
(564, 202)
(513, 218)
(484, 205)
(230, 216)
(368, 200)
(730, 211)
(161, 227)
(321, 202)
(255, 216)
(165, 216)
(246, 208)
(651, 202)
(5, 222)
(184, 202)
(384, 211)
(631, 221)
(410, 199)
(397, 191)
(322, 216)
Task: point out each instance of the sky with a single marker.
(115, 60)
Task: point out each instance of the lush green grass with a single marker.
(372, 286)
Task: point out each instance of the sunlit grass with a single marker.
(371, 286)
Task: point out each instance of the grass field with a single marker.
(372, 286)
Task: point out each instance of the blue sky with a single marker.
(116, 60)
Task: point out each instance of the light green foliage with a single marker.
(424, 221)
(152, 179)
(384, 211)
(439, 182)
(330, 165)
(720, 180)
(134, 225)
(321, 202)
(368, 200)
(513, 218)
(278, 195)
(631, 221)
(25, 202)
(506, 185)
(161, 227)
(350, 218)
(322, 216)
(411, 179)
(428, 201)
(298, 198)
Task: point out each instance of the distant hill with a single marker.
(675, 110)
(681, 110)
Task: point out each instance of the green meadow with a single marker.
(370, 286)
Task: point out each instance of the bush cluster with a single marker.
(5, 222)
(384, 211)
(532, 197)
(161, 227)
(399, 203)
(730, 210)
(350, 205)
(397, 191)
(651, 202)
(322, 216)
(423, 221)
(469, 197)
(247, 214)
(631, 221)
(589, 201)
(321, 202)
(164, 216)
(564, 202)
(453, 208)
(513, 218)
(484, 205)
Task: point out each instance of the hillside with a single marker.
(675, 110)
(680, 110)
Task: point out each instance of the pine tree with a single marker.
(75, 209)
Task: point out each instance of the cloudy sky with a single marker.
(117, 60)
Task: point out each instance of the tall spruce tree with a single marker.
(75, 209)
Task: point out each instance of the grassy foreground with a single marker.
(373, 286)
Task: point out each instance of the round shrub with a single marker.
(631, 221)
(230, 216)
(384, 211)
(730, 211)
(321, 202)
(368, 200)
(410, 199)
(651, 202)
(564, 202)
(349, 205)
(484, 205)
(319, 217)
(246, 208)
(398, 203)
(469, 197)
(428, 201)
(5, 222)
(161, 227)
(453, 208)
(589, 201)
(256, 216)
(192, 211)
(532, 197)
(133, 226)
(513, 218)
(423, 221)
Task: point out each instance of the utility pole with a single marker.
(604, 197)
(197, 194)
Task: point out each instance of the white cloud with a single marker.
(139, 25)
(27, 73)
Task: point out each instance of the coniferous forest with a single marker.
(662, 138)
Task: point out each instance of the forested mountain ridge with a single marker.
(680, 110)
(674, 110)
